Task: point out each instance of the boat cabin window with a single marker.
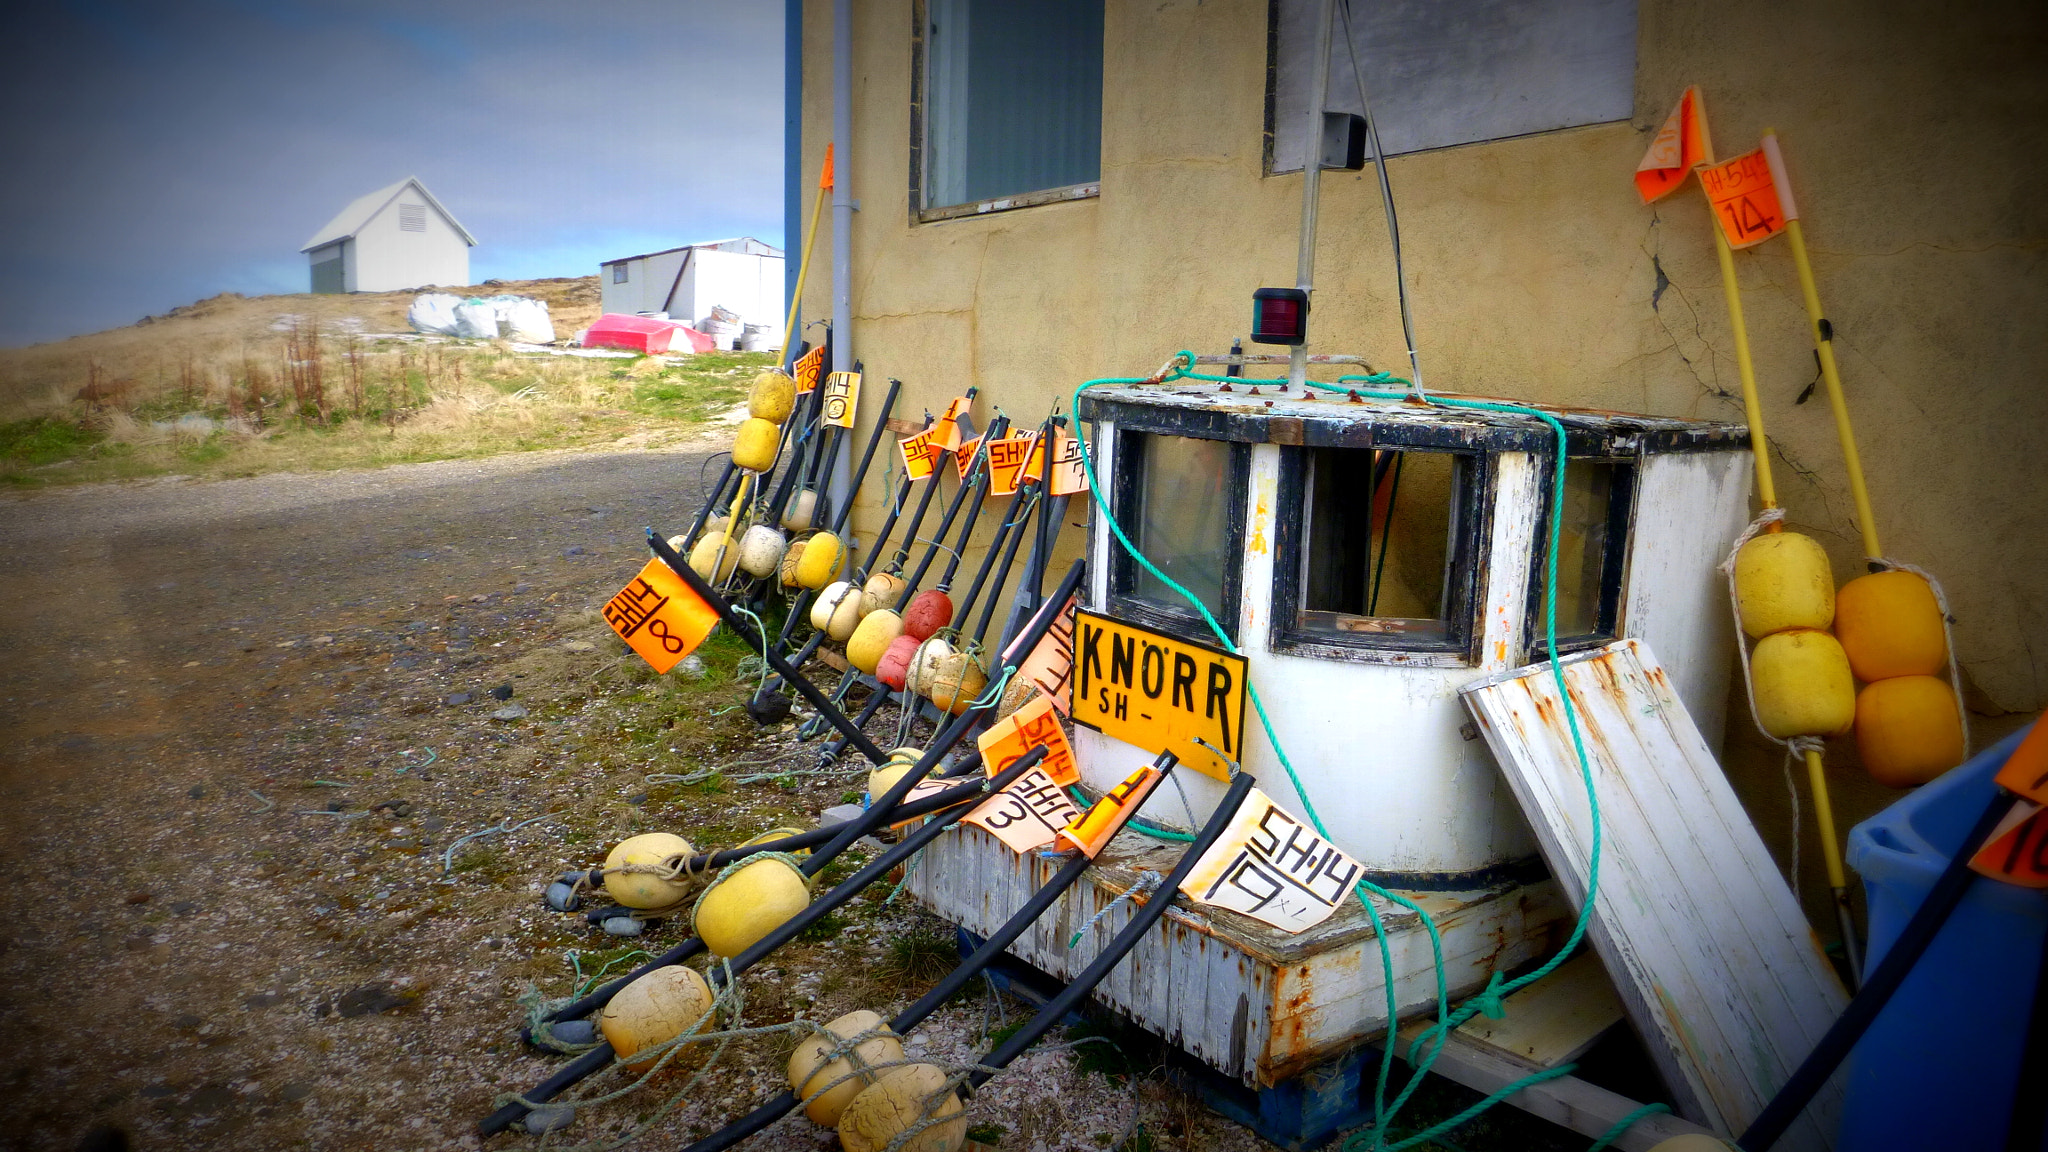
(1181, 499)
(1592, 554)
(1380, 555)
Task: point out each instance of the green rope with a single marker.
(1625, 1123)
(1181, 367)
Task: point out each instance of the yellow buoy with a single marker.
(806, 1076)
(1890, 625)
(956, 683)
(774, 834)
(881, 591)
(654, 1009)
(773, 397)
(877, 630)
(753, 446)
(705, 554)
(1908, 729)
(828, 601)
(1802, 684)
(748, 904)
(824, 555)
(791, 556)
(901, 1098)
(1782, 580)
(642, 889)
(900, 760)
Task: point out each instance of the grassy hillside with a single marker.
(236, 385)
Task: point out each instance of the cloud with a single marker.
(159, 153)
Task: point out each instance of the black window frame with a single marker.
(619, 273)
(1125, 487)
(1621, 522)
(1471, 530)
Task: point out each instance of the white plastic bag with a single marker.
(523, 319)
(476, 320)
(433, 313)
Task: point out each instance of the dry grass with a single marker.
(233, 386)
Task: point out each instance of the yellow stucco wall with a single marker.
(1915, 134)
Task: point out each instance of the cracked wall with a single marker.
(1915, 136)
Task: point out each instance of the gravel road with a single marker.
(243, 721)
(183, 955)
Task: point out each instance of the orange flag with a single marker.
(1745, 199)
(1681, 145)
(825, 173)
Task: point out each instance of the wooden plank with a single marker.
(1709, 951)
(1583, 1107)
(1555, 1020)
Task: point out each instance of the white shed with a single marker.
(392, 239)
(742, 275)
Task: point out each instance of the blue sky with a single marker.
(159, 153)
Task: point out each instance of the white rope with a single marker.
(1948, 640)
(1795, 747)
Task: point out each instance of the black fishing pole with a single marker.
(978, 483)
(884, 808)
(907, 1020)
(838, 527)
(1020, 516)
(1142, 921)
(595, 1059)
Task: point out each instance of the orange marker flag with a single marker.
(825, 173)
(1745, 199)
(659, 617)
(1681, 145)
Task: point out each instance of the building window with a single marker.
(1182, 500)
(1455, 71)
(619, 273)
(1011, 103)
(1377, 551)
(1592, 554)
(412, 217)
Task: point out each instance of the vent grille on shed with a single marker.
(412, 217)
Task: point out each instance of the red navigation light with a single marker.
(1280, 316)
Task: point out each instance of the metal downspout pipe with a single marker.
(842, 217)
(792, 161)
(1311, 175)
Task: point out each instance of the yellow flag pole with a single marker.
(1767, 494)
(803, 269)
(1824, 348)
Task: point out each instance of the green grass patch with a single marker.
(44, 440)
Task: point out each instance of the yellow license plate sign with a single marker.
(659, 617)
(1159, 692)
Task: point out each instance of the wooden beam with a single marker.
(1583, 1107)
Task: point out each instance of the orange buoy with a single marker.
(1908, 729)
(1890, 625)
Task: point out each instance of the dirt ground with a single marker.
(246, 721)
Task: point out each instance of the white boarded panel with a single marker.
(1718, 969)
(1448, 72)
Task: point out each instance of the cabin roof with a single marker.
(1274, 414)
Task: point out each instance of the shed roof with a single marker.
(772, 250)
(359, 212)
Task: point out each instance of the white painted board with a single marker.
(1718, 969)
